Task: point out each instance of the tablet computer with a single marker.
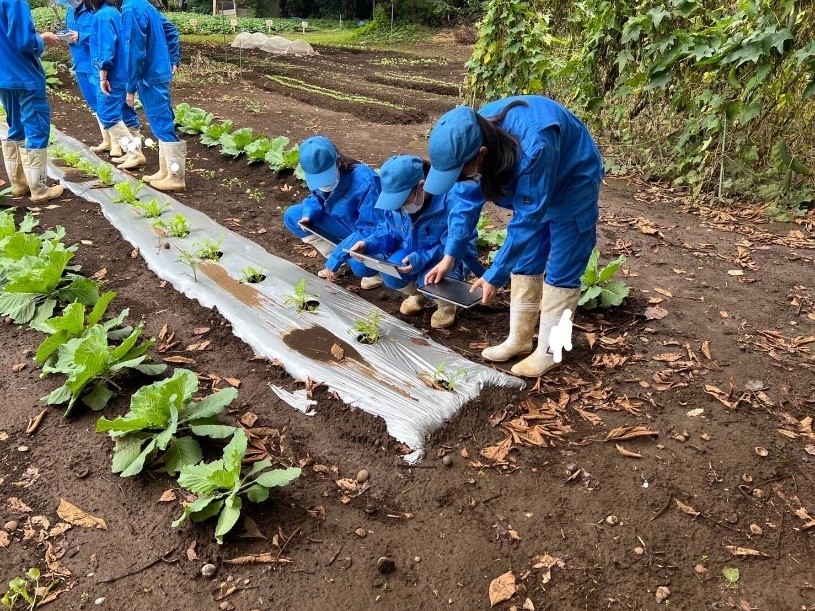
(320, 234)
(380, 265)
(453, 291)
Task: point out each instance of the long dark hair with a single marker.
(503, 150)
(345, 163)
(95, 5)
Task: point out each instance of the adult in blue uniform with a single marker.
(414, 232)
(109, 78)
(533, 156)
(154, 54)
(22, 94)
(340, 206)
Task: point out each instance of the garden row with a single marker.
(165, 425)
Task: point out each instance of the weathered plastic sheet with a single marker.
(380, 379)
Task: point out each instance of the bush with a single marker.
(216, 24)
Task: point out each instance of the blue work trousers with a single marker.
(158, 108)
(328, 226)
(416, 275)
(86, 88)
(110, 109)
(28, 116)
(561, 248)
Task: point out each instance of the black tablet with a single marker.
(453, 291)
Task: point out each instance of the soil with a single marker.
(737, 294)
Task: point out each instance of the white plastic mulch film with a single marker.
(272, 44)
(381, 379)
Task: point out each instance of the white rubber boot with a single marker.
(175, 156)
(122, 156)
(135, 158)
(162, 167)
(105, 144)
(525, 298)
(553, 303)
(444, 316)
(415, 301)
(324, 247)
(14, 168)
(35, 163)
(370, 282)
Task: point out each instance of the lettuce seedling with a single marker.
(220, 487)
(194, 121)
(597, 287)
(178, 227)
(235, 143)
(92, 364)
(160, 415)
(127, 192)
(74, 323)
(212, 135)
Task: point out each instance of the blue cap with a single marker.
(318, 156)
(398, 176)
(454, 141)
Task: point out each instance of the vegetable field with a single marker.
(668, 463)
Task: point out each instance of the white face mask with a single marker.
(416, 205)
(74, 4)
(330, 188)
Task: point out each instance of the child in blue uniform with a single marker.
(22, 94)
(533, 156)
(341, 205)
(79, 21)
(153, 57)
(414, 232)
(108, 53)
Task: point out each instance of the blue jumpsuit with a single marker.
(153, 45)
(554, 196)
(80, 20)
(348, 211)
(22, 79)
(108, 52)
(420, 238)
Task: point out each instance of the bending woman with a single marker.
(530, 155)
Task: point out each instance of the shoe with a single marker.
(162, 169)
(35, 163)
(414, 303)
(14, 169)
(135, 158)
(122, 156)
(525, 299)
(323, 273)
(175, 156)
(370, 282)
(324, 247)
(444, 316)
(554, 302)
(105, 144)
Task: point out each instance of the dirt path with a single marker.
(737, 346)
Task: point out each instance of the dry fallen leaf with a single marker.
(18, 506)
(4, 538)
(249, 419)
(34, 423)
(706, 350)
(627, 453)
(199, 346)
(743, 551)
(167, 497)
(499, 452)
(338, 352)
(664, 292)
(630, 432)
(655, 313)
(234, 382)
(17, 367)
(191, 553)
(668, 357)
(687, 508)
(502, 588)
(74, 515)
(251, 530)
(265, 558)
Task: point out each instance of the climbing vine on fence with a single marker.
(715, 97)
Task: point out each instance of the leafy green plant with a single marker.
(51, 70)
(256, 150)
(209, 249)
(229, 183)
(280, 159)
(300, 299)
(731, 575)
(368, 330)
(92, 365)
(252, 274)
(161, 420)
(235, 143)
(151, 209)
(128, 192)
(220, 487)
(75, 323)
(194, 120)
(490, 237)
(190, 260)
(212, 135)
(597, 287)
(255, 194)
(443, 378)
(5, 194)
(178, 227)
(37, 283)
(298, 85)
(28, 589)
(104, 172)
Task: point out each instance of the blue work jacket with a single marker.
(152, 42)
(108, 50)
(423, 235)
(20, 48)
(350, 204)
(80, 20)
(557, 154)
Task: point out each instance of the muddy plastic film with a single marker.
(383, 379)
